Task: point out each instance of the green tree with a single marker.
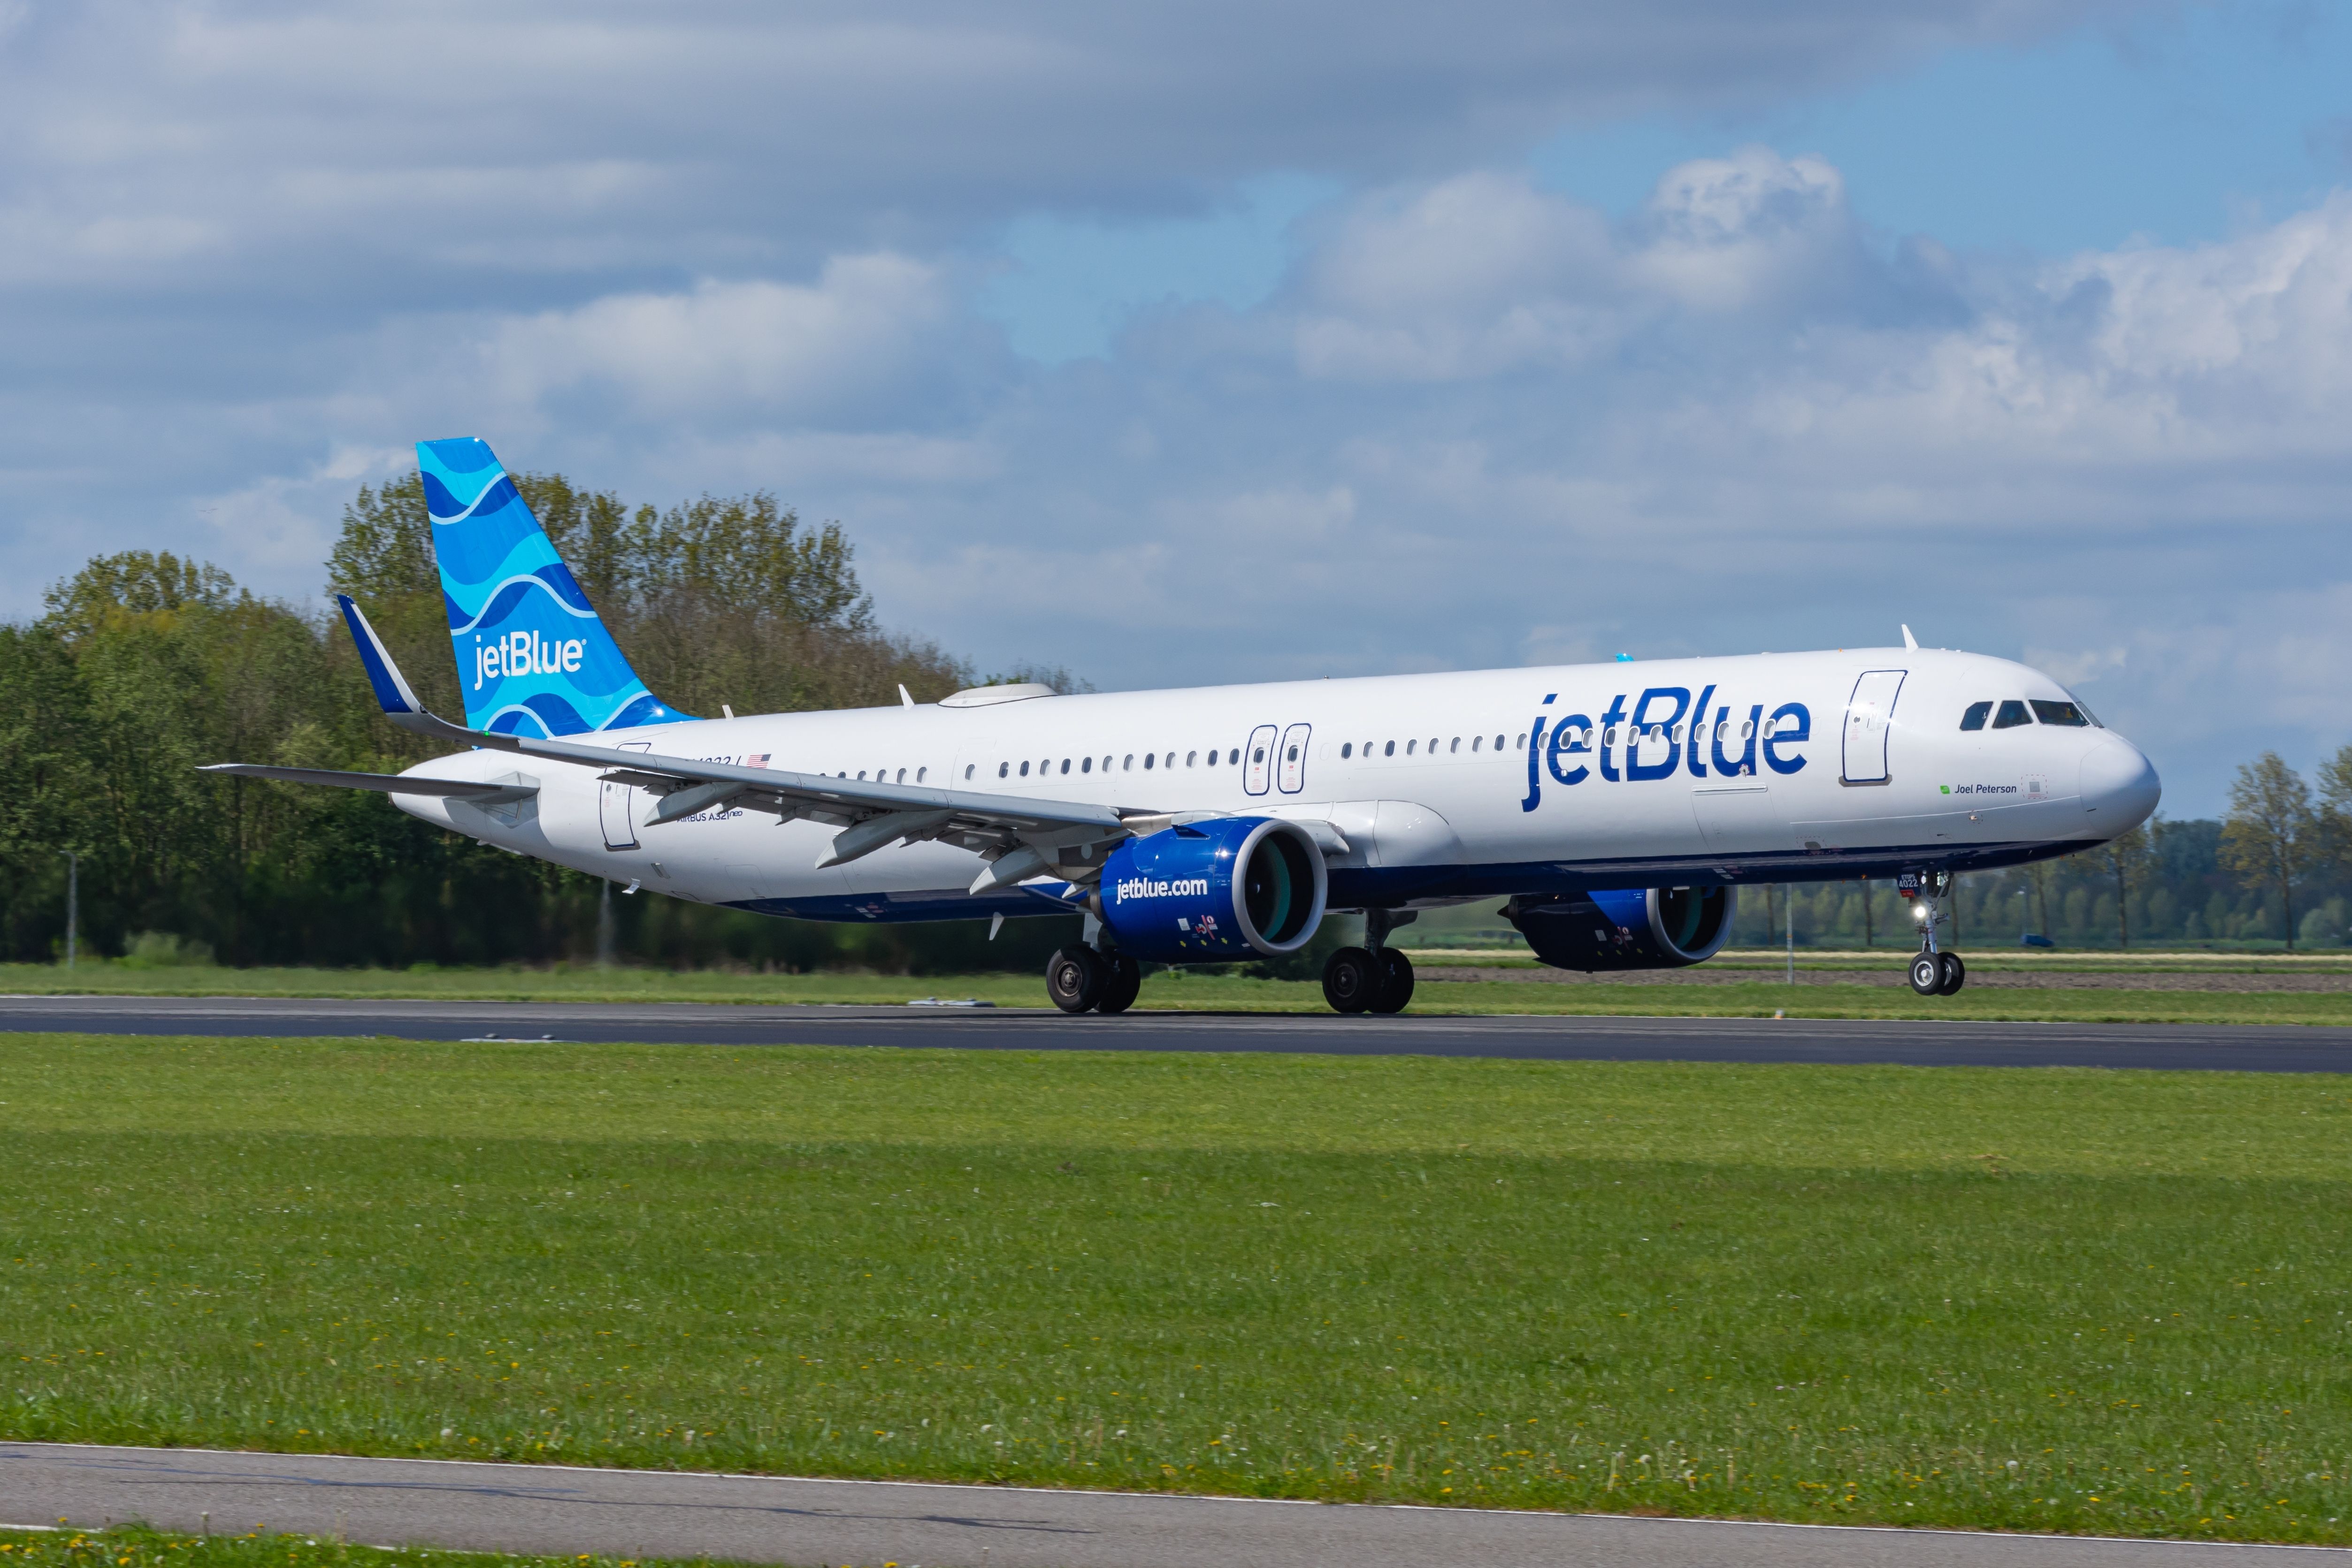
(2127, 858)
(2270, 834)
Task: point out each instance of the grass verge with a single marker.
(133, 1546)
(1199, 993)
(2034, 1300)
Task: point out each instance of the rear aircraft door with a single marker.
(1294, 758)
(617, 805)
(1258, 759)
(1866, 717)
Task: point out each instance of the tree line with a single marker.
(2277, 868)
(144, 665)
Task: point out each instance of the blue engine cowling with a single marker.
(1626, 928)
(1204, 893)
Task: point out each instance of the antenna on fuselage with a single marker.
(1908, 639)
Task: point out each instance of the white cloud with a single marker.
(789, 350)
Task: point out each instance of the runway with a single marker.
(759, 1518)
(2247, 1048)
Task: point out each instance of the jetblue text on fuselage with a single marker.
(1664, 733)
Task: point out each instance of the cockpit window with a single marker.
(1974, 718)
(2066, 714)
(2012, 714)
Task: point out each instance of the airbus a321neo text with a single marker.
(1615, 809)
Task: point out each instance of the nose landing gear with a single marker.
(1934, 972)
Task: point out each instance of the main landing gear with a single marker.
(1080, 979)
(1934, 972)
(1373, 978)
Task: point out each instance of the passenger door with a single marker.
(1258, 759)
(1294, 758)
(617, 805)
(1866, 717)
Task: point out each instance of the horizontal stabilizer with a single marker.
(382, 783)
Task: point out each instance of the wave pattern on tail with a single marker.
(533, 657)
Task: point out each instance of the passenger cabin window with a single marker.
(1409, 747)
(1235, 756)
(1088, 766)
(1348, 749)
(1498, 743)
(1975, 716)
(1004, 768)
(2066, 714)
(1212, 758)
(2012, 714)
(1188, 758)
(1389, 749)
(1025, 770)
(1149, 758)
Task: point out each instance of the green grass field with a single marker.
(1200, 992)
(2035, 1300)
(130, 1546)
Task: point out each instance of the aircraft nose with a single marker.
(2119, 785)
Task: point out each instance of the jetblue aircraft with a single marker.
(1616, 808)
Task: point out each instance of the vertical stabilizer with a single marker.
(532, 656)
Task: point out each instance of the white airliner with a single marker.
(1616, 808)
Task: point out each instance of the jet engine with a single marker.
(1626, 928)
(1210, 892)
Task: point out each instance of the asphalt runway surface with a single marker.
(545, 1509)
(2245, 1048)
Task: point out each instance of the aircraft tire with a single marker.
(1352, 979)
(1956, 973)
(1927, 974)
(1076, 977)
(1396, 982)
(1121, 988)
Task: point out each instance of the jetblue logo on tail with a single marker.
(536, 659)
(525, 653)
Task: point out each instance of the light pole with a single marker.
(73, 901)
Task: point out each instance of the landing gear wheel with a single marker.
(1956, 973)
(1396, 981)
(1120, 990)
(1352, 979)
(1927, 974)
(1076, 977)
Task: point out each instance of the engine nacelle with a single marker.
(1210, 892)
(1626, 928)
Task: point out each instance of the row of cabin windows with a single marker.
(1151, 760)
(1657, 733)
(1232, 757)
(2013, 713)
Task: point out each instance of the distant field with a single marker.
(2033, 1300)
(1759, 998)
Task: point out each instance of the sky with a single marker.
(1178, 344)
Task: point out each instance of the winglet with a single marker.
(1908, 639)
(392, 691)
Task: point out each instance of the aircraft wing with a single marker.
(1019, 838)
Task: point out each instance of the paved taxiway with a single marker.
(2212, 1047)
(761, 1519)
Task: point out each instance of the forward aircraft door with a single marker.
(1258, 759)
(1866, 717)
(617, 805)
(1294, 758)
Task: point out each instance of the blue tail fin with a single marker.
(532, 656)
